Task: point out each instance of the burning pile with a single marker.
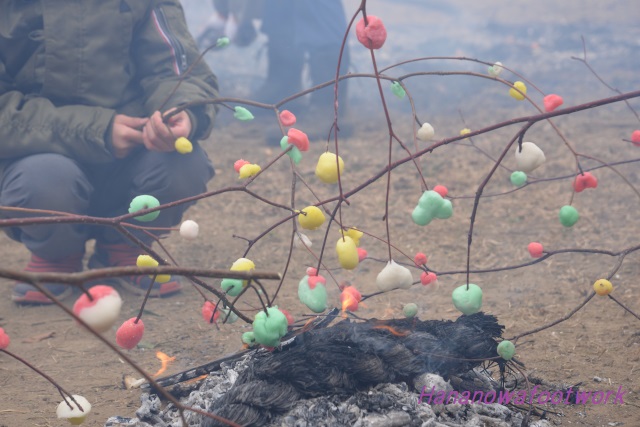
(351, 356)
(364, 368)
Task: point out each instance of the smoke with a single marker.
(534, 38)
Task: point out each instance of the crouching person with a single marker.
(83, 90)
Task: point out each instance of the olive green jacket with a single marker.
(68, 66)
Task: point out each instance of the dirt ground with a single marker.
(601, 340)
(598, 347)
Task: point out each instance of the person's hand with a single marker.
(160, 136)
(126, 134)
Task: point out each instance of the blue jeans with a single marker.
(55, 182)
(305, 28)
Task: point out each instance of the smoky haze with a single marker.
(536, 38)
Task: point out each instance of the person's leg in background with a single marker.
(320, 28)
(50, 182)
(165, 176)
(285, 56)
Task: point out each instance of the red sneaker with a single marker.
(24, 293)
(119, 255)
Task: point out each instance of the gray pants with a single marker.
(54, 182)
(298, 27)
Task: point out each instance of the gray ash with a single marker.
(349, 374)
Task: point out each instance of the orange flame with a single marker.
(165, 360)
(349, 302)
(196, 379)
(350, 298)
(307, 325)
(393, 331)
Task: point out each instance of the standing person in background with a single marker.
(83, 89)
(302, 31)
(299, 32)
